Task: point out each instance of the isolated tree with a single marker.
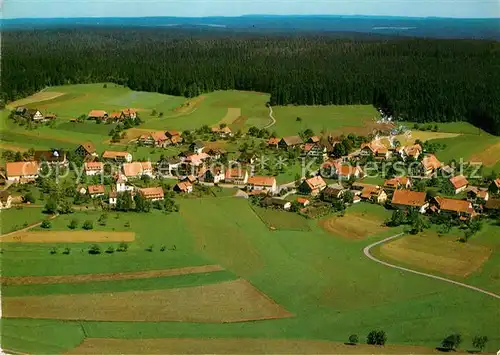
(479, 342)
(51, 205)
(65, 207)
(73, 224)
(103, 219)
(123, 247)
(353, 339)
(124, 201)
(110, 250)
(46, 224)
(451, 342)
(66, 251)
(298, 119)
(94, 249)
(153, 113)
(376, 337)
(88, 225)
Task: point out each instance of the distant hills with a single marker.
(432, 27)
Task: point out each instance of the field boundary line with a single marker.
(367, 253)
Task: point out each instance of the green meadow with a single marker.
(324, 280)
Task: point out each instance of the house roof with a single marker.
(129, 111)
(396, 181)
(459, 181)
(482, 194)
(197, 158)
(314, 139)
(273, 141)
(315, 182)
(375, 146)
(262, 180)
(292, 140)
(347, 170)
(111, 154)
(93, 165)
(413, 150)
(363, 185)
(408, 198)
(331, 191)
(152, 192)
(235, 173)
(95, 189)
(157, 136)
(136, 168)
(183, 186)
(22, 168)
(430, 162)
(493, 204)
(302, 200)
(115, 114)
(453, 205)
(88, 147)
(171, 133)
(53, 156)
(198, 144)
(97, 113)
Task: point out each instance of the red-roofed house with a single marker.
(129, 113)
(115, 156)
(96, 190)
(460, 208)
(304, 202)
(459, 183)
(137, 169)
(404, 199)
(430, 164)
(156, 139)
(152, 193)
(97, 114)
(262, 183)
(312, 186)
(93, 168)
(183, 186)
(273, 142)
(22, 172)
(399, 182)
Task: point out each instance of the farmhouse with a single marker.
(263, 183)
(273, 142)
(121, 184)
(169, 166)
(215, 153)
(314, 150)
(373, 193)
(152, 193)
(197, 147)
(290, 142)
(97, 115)
(194, 163)
(137, 169)
(54, 157)
(412, 151)
(374, 149)
(277, 202)
(223, 132)
(5, 200)
(214, 175)
(22, 172)
(183, 186)
(115, 116)
(114, 156)
(312, 186)
(128, 113)
(155, 139)
(96, 190)
(347, 172)
(333, 192)
(430, 164)
(93, 168)
(459, 183)
(459, 208)
(399, 182)
(34, 115)
(236, 176)
(174, 136)
(86, 150)
(404, 199)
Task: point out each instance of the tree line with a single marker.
(421, 80)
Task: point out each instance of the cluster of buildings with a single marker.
(33, 114)
(116, 116)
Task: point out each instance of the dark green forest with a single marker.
(419, 80)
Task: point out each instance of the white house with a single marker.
(261, 183)
(22, 171)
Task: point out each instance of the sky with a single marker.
(198, 8)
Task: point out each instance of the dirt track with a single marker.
(43, 280)
(67, 237)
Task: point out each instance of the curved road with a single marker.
(271, 117)
(366, 251)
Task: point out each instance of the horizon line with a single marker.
(256, 15)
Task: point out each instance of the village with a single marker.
(342, 174)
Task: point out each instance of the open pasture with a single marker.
(236, 346)
(359, 119)
(232, 301)
(69, 237)
(276, 219)
(13, 219)
(35, 98)
(427, 251)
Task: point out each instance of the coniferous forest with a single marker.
(419, 80)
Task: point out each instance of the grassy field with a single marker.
(282, 220)
(328, 285)
(15, 218)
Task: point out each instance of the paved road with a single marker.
(271, 117)
(366, 251)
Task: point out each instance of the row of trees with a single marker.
(422, 80)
